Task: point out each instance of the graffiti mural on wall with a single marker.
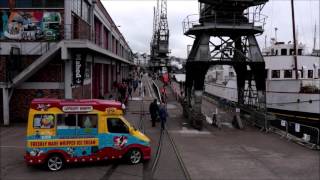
(30, 26)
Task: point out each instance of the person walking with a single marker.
(154, 111)
(140, 87)
(163, 115)
(135, 85)
(130, 91)
(163, 92)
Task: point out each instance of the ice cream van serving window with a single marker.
(77, 124)
(43, 121)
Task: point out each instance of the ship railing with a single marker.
(306, 135)
(190, 21)
(253, 19)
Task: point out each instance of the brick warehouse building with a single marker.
(58, 49)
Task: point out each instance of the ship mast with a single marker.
(314, 37)
(294, 40)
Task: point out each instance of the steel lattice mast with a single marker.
(154, 35)
(160, 38)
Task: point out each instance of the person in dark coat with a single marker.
(163, 115)
(135, 85)
(154, 111)
(130, 91)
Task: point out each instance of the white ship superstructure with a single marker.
(286, 93)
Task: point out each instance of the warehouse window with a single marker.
(39, 3)
(106, 38)
(53, 3)
(76, 7)
(23, 3)
(4, 4)
(85, 11)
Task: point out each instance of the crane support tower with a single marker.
(159, 46)
(224, 33)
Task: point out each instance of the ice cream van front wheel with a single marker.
(55, 162)
(134, 156)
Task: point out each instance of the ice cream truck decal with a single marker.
(87, 130)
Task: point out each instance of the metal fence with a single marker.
(303, 134)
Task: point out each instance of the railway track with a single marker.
(164, 138)
(140, 125)
(165, 148)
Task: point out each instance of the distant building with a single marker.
(141, 59)
(57, 49)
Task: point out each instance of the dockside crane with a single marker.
(224, 33)
(159, 46)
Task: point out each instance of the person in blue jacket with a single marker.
(163, 115)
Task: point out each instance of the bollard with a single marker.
(215, 120)
(237, 119)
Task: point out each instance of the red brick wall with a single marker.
(52, 72)
(82, 92)
(26, 60)
(21, 99)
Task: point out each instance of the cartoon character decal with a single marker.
(47, 121)
(120, 142)
(36, 152)
(70, 151)
(44, 121)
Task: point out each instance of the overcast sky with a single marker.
(135, 18)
